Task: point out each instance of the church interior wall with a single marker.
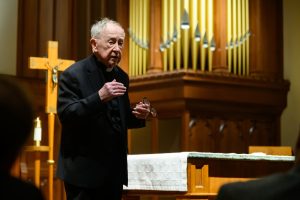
(290, 119)
(8, 36)
(290, 122)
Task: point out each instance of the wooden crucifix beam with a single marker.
(52, 64)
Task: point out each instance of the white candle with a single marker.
(37, 130)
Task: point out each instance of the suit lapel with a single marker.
(95, 75)
(97, 80)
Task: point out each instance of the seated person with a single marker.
(16, 121)
(277, 186)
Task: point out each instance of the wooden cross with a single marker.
(52, 64)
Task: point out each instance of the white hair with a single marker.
(100, 25)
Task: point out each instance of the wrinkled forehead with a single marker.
(112, 31)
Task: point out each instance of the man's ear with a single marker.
(93, 44)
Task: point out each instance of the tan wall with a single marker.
(290, 121)
(8, 36)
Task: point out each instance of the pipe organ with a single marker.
(188, 41)
(238, 36)
(220, 98)
(138, 36)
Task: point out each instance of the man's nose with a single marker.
(117, 47)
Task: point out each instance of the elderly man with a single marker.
(94, 110)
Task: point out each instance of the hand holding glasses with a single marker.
(152, 110)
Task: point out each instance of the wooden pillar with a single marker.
(266, 44)
(122, 18)
(219, 55)
(155, 60)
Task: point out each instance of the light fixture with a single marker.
(197, 34)
(212, 44)
(205, 41)
(185, 24)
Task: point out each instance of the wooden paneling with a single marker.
(36, 26)
(230, 135)
(65, 21)
(229, 113)
(266, 40)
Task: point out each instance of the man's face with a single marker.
(108, 46)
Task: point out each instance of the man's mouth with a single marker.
(115, 57)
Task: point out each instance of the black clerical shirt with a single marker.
(112, 105)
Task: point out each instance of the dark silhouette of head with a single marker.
(16, 120)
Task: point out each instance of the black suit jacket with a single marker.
(91, 153)
(274, 187)
(12, 188)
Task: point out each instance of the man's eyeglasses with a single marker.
(152, 110)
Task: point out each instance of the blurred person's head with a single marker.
(16, 120)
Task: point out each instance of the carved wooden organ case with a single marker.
(217, 65)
